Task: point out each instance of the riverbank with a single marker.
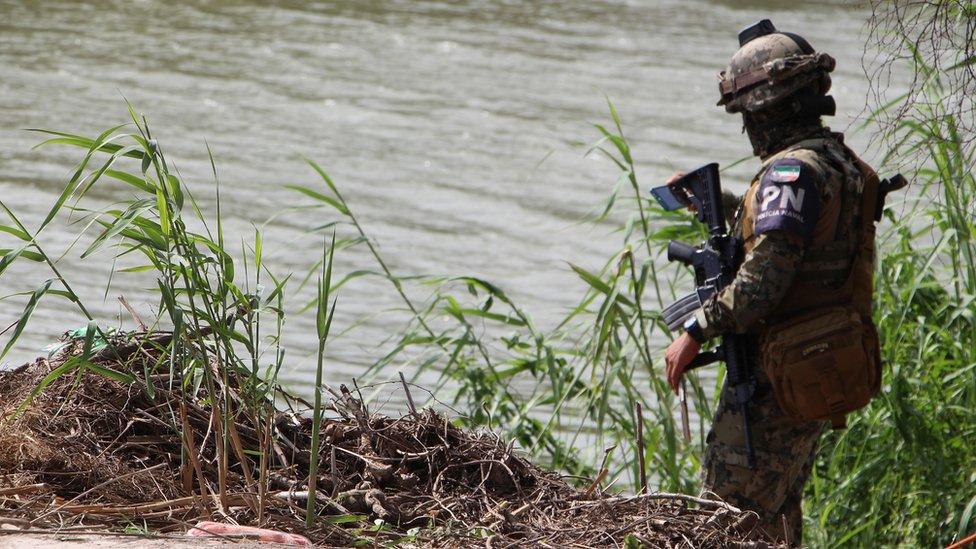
(114, 436)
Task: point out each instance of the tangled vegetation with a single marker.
(93, 451)
(927, 37)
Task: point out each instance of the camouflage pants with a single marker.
(784, 457)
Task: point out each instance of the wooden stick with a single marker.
(191, 450)
(135, 316)
(27, 488)
(238, 448)
(710, 503)
(640, 447)
(685, 424)
(406, 389)
(287, 496)
(596, 482)
(333, 470)
(216, 418)
(143, 508)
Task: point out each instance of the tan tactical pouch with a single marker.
(823, 364)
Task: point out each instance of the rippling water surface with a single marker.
(454, 128)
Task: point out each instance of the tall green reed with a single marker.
(323, 325)
(215, 314)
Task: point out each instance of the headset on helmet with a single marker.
(770, 68)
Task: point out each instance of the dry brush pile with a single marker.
(94, 451)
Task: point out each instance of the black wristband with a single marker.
(694, 330)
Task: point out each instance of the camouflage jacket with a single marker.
(790, 195)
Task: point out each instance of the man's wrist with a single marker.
(708, 329)
(693, 329)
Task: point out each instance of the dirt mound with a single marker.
(121, 440)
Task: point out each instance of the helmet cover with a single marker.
(770, 67)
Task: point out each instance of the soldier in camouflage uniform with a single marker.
(798, 221)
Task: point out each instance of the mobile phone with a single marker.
(668, 199)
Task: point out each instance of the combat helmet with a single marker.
(770, 68)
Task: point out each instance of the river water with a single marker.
(455, 129)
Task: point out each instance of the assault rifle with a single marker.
(715, 263)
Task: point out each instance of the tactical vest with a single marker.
(820, 349)
(836, 268)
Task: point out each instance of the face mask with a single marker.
(771, 131)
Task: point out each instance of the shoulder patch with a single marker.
(784, 173)
(788, 199)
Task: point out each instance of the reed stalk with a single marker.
(323, 324)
